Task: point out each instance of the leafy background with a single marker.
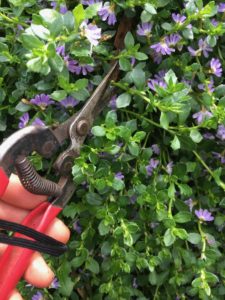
(150, 163)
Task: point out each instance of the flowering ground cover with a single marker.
(147, 217)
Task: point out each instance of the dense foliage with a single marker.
(147, 218)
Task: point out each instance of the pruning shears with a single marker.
(47, 141)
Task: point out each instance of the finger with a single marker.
(59, 231)
(18, 196)
(13, 214)
(15, 296)
(38, 273)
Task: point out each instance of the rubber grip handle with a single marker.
(4, 180)
(15, 260)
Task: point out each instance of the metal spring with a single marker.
(33, 182)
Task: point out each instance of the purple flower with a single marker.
(41, 100)
(153, 163)
(178, 18)
(62, 9)
(157, 57)
(38, 296)
(214, 22)
(193, 52)
(208, 136)
(38, 122)
(160, 75)
(77, 227)
(20, 27)
(119, 176)
(55, 284)
(112, 102)
(221, 132)
(221, 7)
(216, 67)
(152, 83)
(155, 149)
(133, 199)
(190, 203)
(203, 47)
(133, 61)
(90, 2)
(91, 32)
(172, 39)
(204, 215)
(24, 119)
(169, 168)
(107, 12)
(209, 86)
(201, 116)
(70, 63)
(60, 50)
(219, 156)
(134, 284)
(82, 68)
(162, 48)
(144, 29)
(69, 102)
(210, 240)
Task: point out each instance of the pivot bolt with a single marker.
(82, 127)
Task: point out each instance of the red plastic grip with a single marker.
(4, 180)
(15, 260)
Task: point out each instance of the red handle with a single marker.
(15, 260)
(4, 180)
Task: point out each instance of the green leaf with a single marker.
(139, 136)
(79, 15)
(58, 95)
(140, 56)
(209, 10)
(78, 261)
(194, 238)
(196, 136)
(93, 198)
(123, 100)
(129, 40)
(103, 228)
(98, 131)
(53, 20)
(40, 31)
(170, 77)
(35, 64)
(30, 41)
(150, 9)
(181, 233)
(92, 265)
(171, 191)
(92, 10)
(175, 143)
(169, 238)
(125, 64)
(183, 217)
(118, 184)
(138, 77)
(164, 121)
(68, 20)
(80, 84)
(56, 62)
(167, 26)
(211, 278)
(134, 148)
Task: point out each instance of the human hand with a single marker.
(14, 206)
